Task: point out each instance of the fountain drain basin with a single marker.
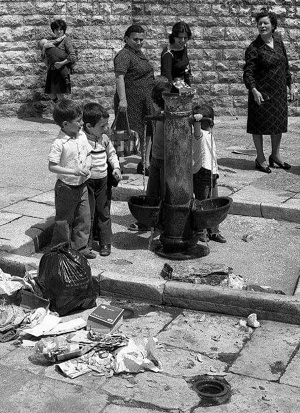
(210, 212)
(145, 209)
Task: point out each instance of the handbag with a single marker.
(123, 135)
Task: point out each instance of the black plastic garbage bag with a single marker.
(65, 279)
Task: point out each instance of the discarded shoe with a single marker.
(217, 238)
(88, 253)
(105, 250)
(137, 226)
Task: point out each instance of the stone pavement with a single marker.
(261, 366)
(133, 270)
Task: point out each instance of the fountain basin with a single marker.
(210, 212)
(145, 209)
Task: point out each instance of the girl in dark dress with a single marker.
(56, 82)
(174, 57)
(267, 76)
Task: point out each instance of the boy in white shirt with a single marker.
(70, 159)
(205, 166)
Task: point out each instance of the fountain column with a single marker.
(178, 238)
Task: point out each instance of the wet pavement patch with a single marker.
(277, 367)
(213, 390)
(228, 358)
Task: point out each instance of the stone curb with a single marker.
(118, 285)
(273, 307)
(267, 306)
(261, 210)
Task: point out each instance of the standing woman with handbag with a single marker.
(134, 83)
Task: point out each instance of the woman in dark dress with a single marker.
(267, 77)
(134, 82)
(174, 57)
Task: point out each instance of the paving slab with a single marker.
(7, 217)
(20, 235)
(264, 361)
(113, 408)
(155, 390)
(185, 363)
(31, 209)
(256, 396)
(291, 376)
(12, 194)
(44, 198)
(27, 392)
(206, 333)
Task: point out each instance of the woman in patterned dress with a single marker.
(267, 77)
(134, 81)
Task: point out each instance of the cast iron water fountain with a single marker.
(178, 215)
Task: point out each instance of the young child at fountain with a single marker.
(205, 166)
(155, 186)
(70, 159)
(95, 125)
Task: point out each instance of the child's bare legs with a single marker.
(202, 191)
(214, 232)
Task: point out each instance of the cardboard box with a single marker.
(105, 319)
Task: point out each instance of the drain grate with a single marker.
(213, 390)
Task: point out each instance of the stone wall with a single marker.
(221, 31)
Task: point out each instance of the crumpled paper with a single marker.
(135, 358)
(11, 284)
(11, 316)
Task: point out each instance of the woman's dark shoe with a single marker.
(217, 238)
(261, 168)
(105, 250)
(283, 165)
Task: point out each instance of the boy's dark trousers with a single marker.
(72, 206)
(100, 200)
(203, 190)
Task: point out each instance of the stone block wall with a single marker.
(221, 30)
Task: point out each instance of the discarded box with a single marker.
(105, 319)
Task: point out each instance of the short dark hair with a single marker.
(264, 12)
(59, 24)
(66, 110)
(161, 85)
(93, 112)
(206, 111)
(135, 28)
(178, 28)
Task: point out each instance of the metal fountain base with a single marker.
(196, 251)
(180, 224)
